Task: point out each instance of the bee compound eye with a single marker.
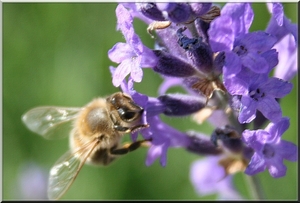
(129, 115)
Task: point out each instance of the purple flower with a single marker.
(241, 48)
(287, 55)
(235, 20)
(279, 24)
(250, 48)
(208, 177)
(131, 55)
(270, 149)
(258, 93)
(163, 136)
(205, 54)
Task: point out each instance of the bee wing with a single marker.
(66, 169)
(45, 120)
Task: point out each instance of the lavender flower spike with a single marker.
(131, 55)
(269, 149)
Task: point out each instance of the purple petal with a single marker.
(148, 58)
(255, 62)
(232, 65)
(277, 169)
(248, 136)
(140, 99)
(241, 14)
(276, 130)
(120, 52)
(134, 41)
(154, 152)
(255, 139)
(124, 18)
(254, 80)
(287, 66)
(270, 108)
(277, 88)
(288, 150)
(163, 136)
(221, 36)
(277, 10)
(291, 28)
(256, 165)
(135, 13)
(136, 71)
(271, 57)
(258, 41)
(121, 72)
(279, 25)
(163, 157)
(236, 86)
(248, 17)
(247, 113)
(262, 137)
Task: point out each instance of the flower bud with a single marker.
(181, 105)
(170, 65)
(180, 13)
(151, 11)
(200, 144)
(227, 137)
(198, 52)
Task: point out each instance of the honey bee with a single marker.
(95, 136)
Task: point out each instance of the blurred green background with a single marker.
(56, 54)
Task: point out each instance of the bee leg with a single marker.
(129, 147)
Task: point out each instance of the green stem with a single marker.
(254, 187)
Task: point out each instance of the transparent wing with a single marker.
(66, 169)
(47, 120)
